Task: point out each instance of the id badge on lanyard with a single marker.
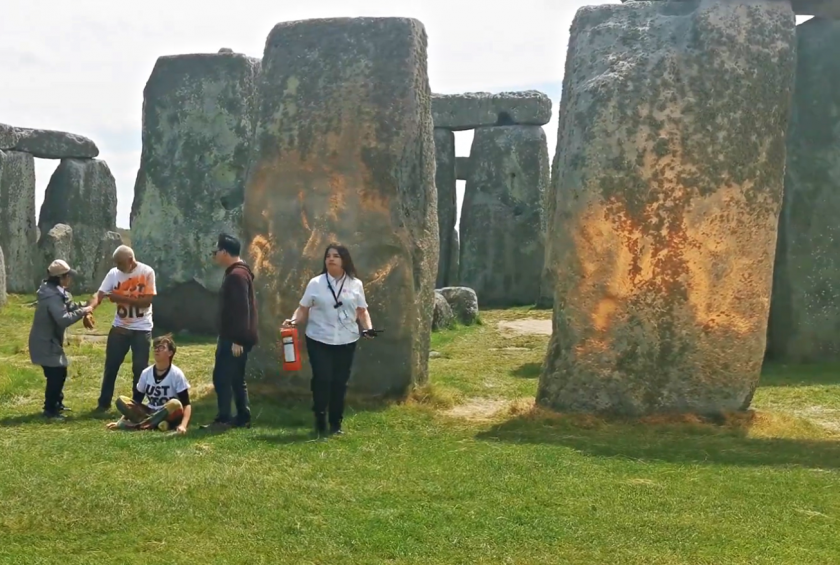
(341, 312)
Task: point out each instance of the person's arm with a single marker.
(301, 314)
(362, 312)
(236, 294)
(62, 316)
(143, 301)
(299, 317)
(104, 290)
(184, 397)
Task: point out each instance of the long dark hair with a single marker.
(346, 260)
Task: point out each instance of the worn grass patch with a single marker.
(467, 470)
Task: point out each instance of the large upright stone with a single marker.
(501, 244)
(345, 151)
(56, 243)
(3, 297)
(82, 193)
(481, 109)
(17, 219)
(668, 192)
(447, 204)
(198, 123)
(805, 310)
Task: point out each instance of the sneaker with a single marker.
(101, 409)
(57, 416)
(63, 408)
(217, 425)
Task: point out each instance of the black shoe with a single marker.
(101, 409)
(237, 424)
(57, 416)
(336, 431)
(63, 408)
(217, 425)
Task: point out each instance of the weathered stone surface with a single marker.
(17, 219)
(546, 296)
(501, 245)
(345, 151)
(8, 137)
(668, 192)
(51, 144)
(462, 168)
(479, 109)
(198, 123)
(3, 297)
(454, 274)
(83, 195)
(805, 308)
(442, 317)
(447, 205)
(56, 243)
(104, 258)
(464, 303)
(828, 9)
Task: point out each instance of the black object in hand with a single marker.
(371, 332)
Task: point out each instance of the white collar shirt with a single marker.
(332, 313)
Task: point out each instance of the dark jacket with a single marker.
(54, 313)
(238, 307)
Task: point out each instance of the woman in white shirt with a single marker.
(333, 307)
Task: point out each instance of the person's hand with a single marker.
(288, 323)
(112, 425)
(236, 349)
(181, 430)
(88, 321)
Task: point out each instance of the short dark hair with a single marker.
(346, 260)
(230, 244)
(167, 341)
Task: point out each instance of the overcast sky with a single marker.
(81, 65)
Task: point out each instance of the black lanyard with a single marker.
(335, 296)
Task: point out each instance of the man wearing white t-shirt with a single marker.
(167, 390)
(131, 286)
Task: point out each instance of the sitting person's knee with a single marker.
(173, 405)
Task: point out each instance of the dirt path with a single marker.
(527, 326)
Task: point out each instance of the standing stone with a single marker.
(345, 151)
(57, 243)
(443, 318)
(462, 168)
(464, 303)
(501, 244)
(447, 204)
(198, 123)
(82, 193)
(454, 273)
(3, 297)
(17, 219)
(805, 309)
(545, 300)
(668, 190)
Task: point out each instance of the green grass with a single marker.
(465, 472)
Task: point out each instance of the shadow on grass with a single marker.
(527, 371)
(687, 442)
(818, 374)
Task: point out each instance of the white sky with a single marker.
(81, 65)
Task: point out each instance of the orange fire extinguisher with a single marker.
(291, 349)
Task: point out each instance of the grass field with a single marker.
(467, 472)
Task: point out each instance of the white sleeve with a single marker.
(141, 382)
(108, 282)
(308, 299)
(181, 383)
(150, 282)
(362, 300)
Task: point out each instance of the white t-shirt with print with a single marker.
(159, 393)
(328, 324)
(139, 281)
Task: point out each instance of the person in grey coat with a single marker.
(55, 312)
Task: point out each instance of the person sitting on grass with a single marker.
(167, 389)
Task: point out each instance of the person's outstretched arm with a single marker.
(62, 316)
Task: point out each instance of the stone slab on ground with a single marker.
(671, 169)
(345, 151)
(480, 109)
(527, 326)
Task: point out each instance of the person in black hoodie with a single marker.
(237, 334)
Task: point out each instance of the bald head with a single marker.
(124, 258)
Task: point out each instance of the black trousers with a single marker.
(331, 366)
(120, 341)
(229, 381)
(54, 392)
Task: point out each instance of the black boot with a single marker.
(320, 425)
(335, 427)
